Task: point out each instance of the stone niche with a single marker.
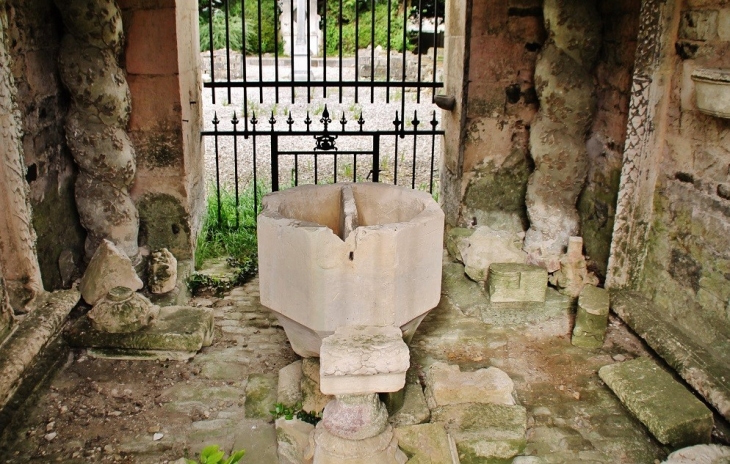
(349, 254)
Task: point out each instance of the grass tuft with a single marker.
(226, 238)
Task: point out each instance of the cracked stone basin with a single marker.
(349, 254)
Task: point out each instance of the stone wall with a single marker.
(597, 203)
(484, 179)
(161, 60)
(35, 32)
(687, 268)
(18, 257)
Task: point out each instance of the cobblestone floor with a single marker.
(100, 410)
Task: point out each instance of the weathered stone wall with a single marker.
(35, 32)
(161, 60)
(597, 203)
(485, 180)
(22, 278)
(687, 269)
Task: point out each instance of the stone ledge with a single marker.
(178, 333)
(21, 349)
(704, 368)
(670, 412)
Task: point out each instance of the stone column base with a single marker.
(380, 449)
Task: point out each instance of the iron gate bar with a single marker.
(387, 59)
(212, 46)
(435, 45)
(228, 50)
(357, 48)
(244, 65)
(420, 29)
(372, 50)
(276, 47)
(261, 49)
(291, 43)
(340, 24)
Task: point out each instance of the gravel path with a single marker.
(394, 154)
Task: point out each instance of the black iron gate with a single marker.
(286, 142)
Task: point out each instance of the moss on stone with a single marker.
(160, 148)
(597, 209)
(260, 396)
(164, 223)
(57, 225)
(496, 192)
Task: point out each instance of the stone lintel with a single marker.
(670, 412)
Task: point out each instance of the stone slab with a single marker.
(289, 390)
(484, 432)
(258, 438)
(313, 400)
(427, 443)
(591, 319)
(446, 384)
(414, 410)
(514, 282)
(293, 438)
(703, 367)
(261, 391)
(670, 412)
(21, 349)
(363, 359)
(177, 329)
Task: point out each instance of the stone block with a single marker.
(108, 268)
(178, 333)
(293, 439)
(446, 385)
(700, 365)
(363, 359)
(258, 438)
(289, 390)
(487, 246)
(122, 311)
(428, 443)
(260, 396)
(723, 24)
(591, 319)
(670, 412)
(313, 400)
(484, 432)
(155, 101)
(151, 42)
(455, 239)
(162, 272)
(713, 454)
(414, 410)
(512, 282)
(698, 25)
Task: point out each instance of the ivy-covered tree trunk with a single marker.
(97, 121)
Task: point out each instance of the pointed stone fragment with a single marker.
(109, 268)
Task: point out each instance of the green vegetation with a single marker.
(363, 26)
(289, 412)
(236, 26)
(228, 238)
(213, 455)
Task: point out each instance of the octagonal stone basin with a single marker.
(349, 254)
